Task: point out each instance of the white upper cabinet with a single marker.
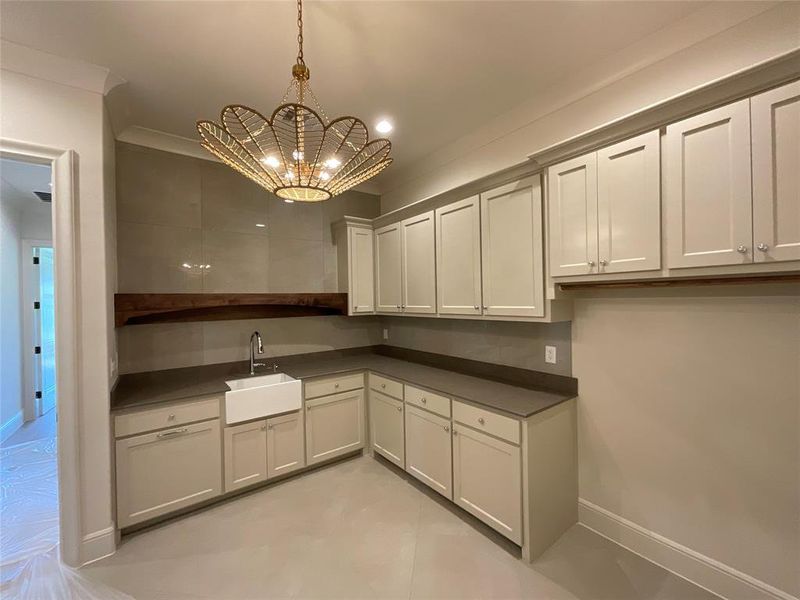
(418, 264)
(361, 268)
(458, 257)
(572, 210)
(708, 193)
(629, 205)
(388, 273)
(511, 242)
(776, 174)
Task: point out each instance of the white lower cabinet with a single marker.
(163, 471)
(429, 450)
(285, 448)
(245, 454)
(386, 427)
(334, 425)
(487, 480)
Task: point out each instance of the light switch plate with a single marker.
(385, 334)
(550, 354)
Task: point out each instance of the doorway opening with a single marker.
(29, 503)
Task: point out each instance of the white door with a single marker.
(419, 264)
(286, 451)
(362, 270)
(458, 258)
(708, 195)
(245, 454)
(388, 291)
(164, 471)
(776, 173)
(487, 480)
(511, 243)
(386, 427)
(429, 451)
(45, 325)
(334, 425)
(572, 216)
(629, 205)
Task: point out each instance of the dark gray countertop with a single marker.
(142, 389)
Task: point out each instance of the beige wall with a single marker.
(175, 210)
(59, 116)
(689, 423)
(10, 316)
(506, 343)
(712, 43)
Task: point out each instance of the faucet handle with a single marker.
(275, 368)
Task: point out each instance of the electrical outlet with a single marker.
(550, 354)
(385, 334)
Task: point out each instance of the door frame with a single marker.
(65, 194)
(29, 404)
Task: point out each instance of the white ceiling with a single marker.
(437, 69)
(18, 181)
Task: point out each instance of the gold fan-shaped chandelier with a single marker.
(296, 153)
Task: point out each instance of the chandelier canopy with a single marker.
(296, 153)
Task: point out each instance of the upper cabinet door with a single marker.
(458, 257)
(708, 194)
(362, 270)
(776, 174)
(629, 205)
(511, 242)
(572, 210)
(419, 264)
(388, 269)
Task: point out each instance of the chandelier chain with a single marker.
(300, 60)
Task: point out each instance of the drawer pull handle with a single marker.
(164, 434)
(481, 421)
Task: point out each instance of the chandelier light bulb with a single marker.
(324, 176)
(271, 161)
(297, 155)
(332, 163)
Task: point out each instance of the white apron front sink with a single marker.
(263, 396)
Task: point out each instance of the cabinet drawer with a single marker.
(167, 416)
(489, 422)
(386, 386)
(428, 400)
(333, 385)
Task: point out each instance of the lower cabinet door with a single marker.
(487, 480)
(429, 450)
(334, 425)
(286, 450)
(164, 471)
(245, 455)
(386, 427)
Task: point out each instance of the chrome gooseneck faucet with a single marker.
(256, 337)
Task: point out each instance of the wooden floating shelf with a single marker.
(137, 309)
(670, 283)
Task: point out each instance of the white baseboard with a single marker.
(98, 544)
(712, 575)
(10, 427)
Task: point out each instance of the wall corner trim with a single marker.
(98, 544)
(704, 571)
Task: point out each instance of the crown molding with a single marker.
(168, 142)
(65, 71)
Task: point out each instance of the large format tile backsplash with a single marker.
(191, 225)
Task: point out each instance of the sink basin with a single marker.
(256, 397)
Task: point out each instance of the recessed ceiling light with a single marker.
(383, 126)
(288, 201)
(261, 224)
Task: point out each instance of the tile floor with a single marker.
(41, 428)
(361, 529)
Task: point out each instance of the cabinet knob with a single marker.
(763, 247)
(424, 400)
(485, 307)
(402, 306)
(383, 385)
(171, 418)
(477, 307)
(447, 428)
(603, 262)
(454, 432)
(481, 421)
(336, 386)
(741, 249)
(399, 409)
(590, 263)
(264, 427)
(398, 306)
